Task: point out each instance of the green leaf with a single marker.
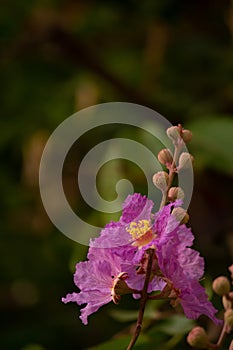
(124, 315)
(33, 347)
(120, 343)
(176, 324)
(212, 143)
(151, 313)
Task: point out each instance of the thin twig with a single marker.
(143, 300)
(222, 336)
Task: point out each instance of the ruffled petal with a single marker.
(136, 207)
(194, 301)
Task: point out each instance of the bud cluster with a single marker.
(149, 252)
(174, 162)
(197, 337)
(222, 286)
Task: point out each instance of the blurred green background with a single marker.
(58, 57)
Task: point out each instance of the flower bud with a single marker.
(185, 160)
(231, 345)
(175, 193)
(226, 301)
(174, 133)
(165, 157)
(186, 135)
(181, 215)
(160, 180)
(228, 318)
(198, 338)
(221, 285)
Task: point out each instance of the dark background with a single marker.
(58, 57)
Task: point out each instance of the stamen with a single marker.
(141, 232)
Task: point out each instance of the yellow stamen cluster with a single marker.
(141, 232)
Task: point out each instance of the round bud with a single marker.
(181, 215)
(174, 133)
(160, 180)
(228, 318)
(175, 193)
(221, 285)
(165, 157)
(198, 338)
(185, 160)
(186, 135)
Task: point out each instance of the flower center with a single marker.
(141, 232)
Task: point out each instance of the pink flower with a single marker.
(96, 280)
(118, 261)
